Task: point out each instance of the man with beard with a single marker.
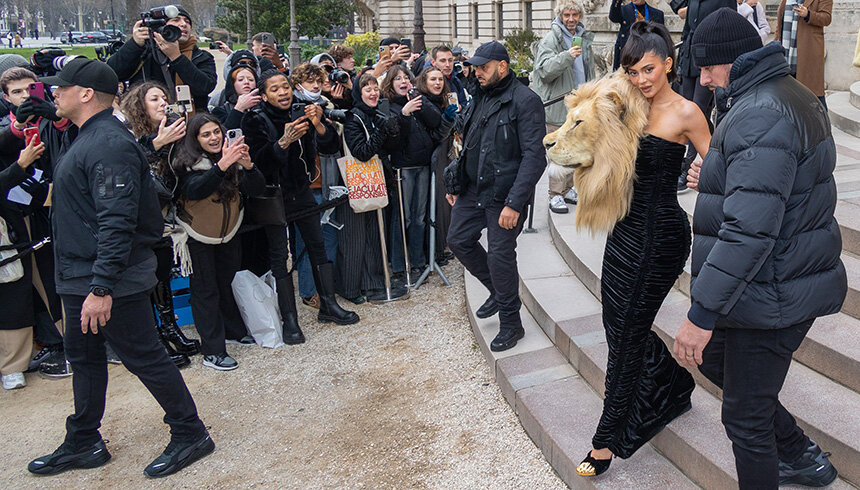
(492, 181)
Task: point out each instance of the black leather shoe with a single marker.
(330, 311)
(488, 309)
(67, 457)
(292, 333)
(178, 455)
(506, 339)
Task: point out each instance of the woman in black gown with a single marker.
(645, 387)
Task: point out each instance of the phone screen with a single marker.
(37, 89)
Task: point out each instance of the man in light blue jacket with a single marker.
(563, 61)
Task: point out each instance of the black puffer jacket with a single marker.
(766, 252)
(416, 142)
(504, 130)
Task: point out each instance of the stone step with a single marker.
(557, 409)
(843, 114)
(831, 347)
(854, 90)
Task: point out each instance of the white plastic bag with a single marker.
(270, 281)
(258, 305)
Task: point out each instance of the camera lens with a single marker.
(169, 33)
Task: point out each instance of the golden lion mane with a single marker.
(599, 142)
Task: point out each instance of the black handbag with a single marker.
(266, 208)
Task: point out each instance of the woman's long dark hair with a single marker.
(133, 106)
(387, 87)
(190, 153)
(649, 37)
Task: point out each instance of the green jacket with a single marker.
(553, 71)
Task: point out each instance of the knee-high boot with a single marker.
(181, 360)
(162, 298)
(287, 304)
(330, 311)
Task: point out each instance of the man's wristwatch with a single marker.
(100, 291)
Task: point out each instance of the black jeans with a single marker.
(692, 90)
(311, 231)
(131, 333)
(750, 366)
(216, 315)
(495, 267)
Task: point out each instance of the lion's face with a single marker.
(572, 145)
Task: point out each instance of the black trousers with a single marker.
(311, 231)
(216, 316)
(495, 267)
(702, 97)
(359, 256)
(750, 366)
(164, 259)
(131, 333)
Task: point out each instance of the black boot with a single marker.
(287, 304)
(181, 360)
(162, 298)
(330, 311)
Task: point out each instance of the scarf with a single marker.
(789, 38)
(187, 49)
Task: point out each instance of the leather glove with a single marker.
(34, 106)
(391, 126)
(450, 113)
(39, 190)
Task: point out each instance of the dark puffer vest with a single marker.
(766, 252)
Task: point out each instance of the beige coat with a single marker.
(810, 43)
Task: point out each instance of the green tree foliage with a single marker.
(519, 43)
(366, 46)
(313, 17)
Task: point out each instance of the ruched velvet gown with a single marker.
(645, 253)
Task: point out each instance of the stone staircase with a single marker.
(844, 108)
(554, 378)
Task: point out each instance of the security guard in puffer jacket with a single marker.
(105, 219)
(492, 181)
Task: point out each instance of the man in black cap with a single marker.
(106, 217)
(766, 248)
(492, 181)
(148, 56)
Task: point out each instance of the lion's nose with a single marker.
(549, 145)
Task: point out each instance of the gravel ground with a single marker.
(404, 399)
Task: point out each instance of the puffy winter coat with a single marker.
(766, 251)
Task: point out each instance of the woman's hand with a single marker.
(411, 106)
(337, 91)
(168, 134)
(294, 131)
(232, 153)
(30, 153)
(247, 101)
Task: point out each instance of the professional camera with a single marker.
(338, 75)
(48, 62)
(105, 52)
(297, 110)
(336, 115)
(156, 20)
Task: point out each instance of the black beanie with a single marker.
(723, 36)
(389, 40)
(184, 13)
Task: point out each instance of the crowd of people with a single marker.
(118, 176)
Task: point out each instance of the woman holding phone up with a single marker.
(213, 177)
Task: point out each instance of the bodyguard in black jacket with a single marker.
(106, 218)
(493, 180)
(177, 63)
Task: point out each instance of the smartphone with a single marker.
(174, 112)
(37, 89)
(297, 111)
(31, 134)
(412, 93)
(384, 52)
(577, 41)
(233, 135)
(384, 106)
(281, 50)
(183, 96)
(267, 38)
(406, 42)
(452, 99)
(214, 46)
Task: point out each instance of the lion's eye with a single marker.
(578, 122)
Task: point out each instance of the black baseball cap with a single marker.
(492, 50)
(86, 73)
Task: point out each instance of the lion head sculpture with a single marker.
(598, 142)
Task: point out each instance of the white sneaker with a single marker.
(13, 381)
(571, 197)
(557, 205)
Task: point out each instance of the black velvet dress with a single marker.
(645, 253)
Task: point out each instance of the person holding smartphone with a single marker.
(564, 60)
(148, 56)
(391, 52)
(285, 137)
(266, 49)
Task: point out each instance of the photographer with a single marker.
(367, 132)
(343, 57)
(149, 56)
(240, 94)
(284, 136)
(213, 177)
(417, 117)
(144, 106)
(336, 82)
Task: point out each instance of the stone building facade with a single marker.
(468, 23)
